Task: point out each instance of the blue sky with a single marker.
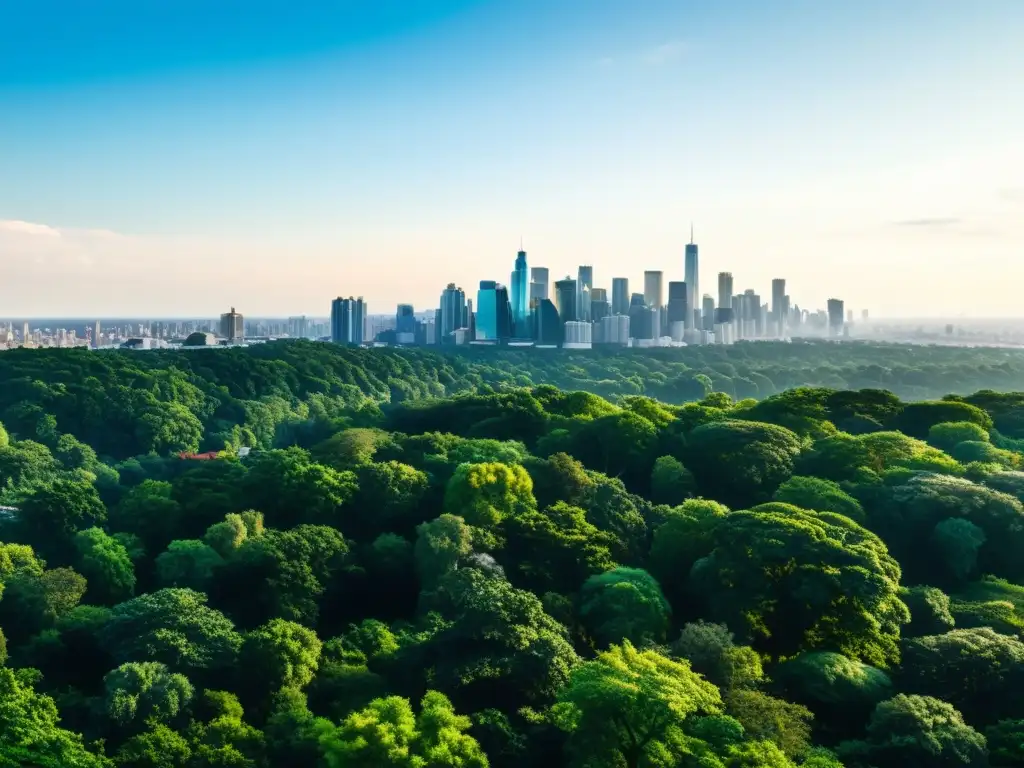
(177, 158)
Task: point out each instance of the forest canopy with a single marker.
(770, 555)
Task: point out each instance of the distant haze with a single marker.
(177, 164)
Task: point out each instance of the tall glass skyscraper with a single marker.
(584, 284)
(620, 295)
(693, 295)
(521, 296)
(493, 312)
(565, 296)
(347, 317)
(451, 315)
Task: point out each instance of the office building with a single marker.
(599, 309)
(539, 275)
(538, 291)
(520, 299)
(96, 335)
(708, 313)
(779, 311)
(691, 273)
(493, 317)
(615, 330)
(864, 315)
(835, 317)
(653, 292)
(232, 327)
(452, 313)
(578, 335)
(849, 317)
(642, 319)
(347, 320)
(547, 325)
(725, 290)
(598, 294)
(565, 296)
(620, 295)
(298, 327)
(584, 284)
(405, 324)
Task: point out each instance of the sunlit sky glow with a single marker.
(174, 159)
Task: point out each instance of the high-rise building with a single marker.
(298, 327)
(779, 308)
(835, 317)
(584, 284)
(547, 325)
(452, 314)
(692, 273)
(864, 315)
(539, 275)
(620, 295)
(676, 302)
(494, 321)
(653, 293)
(615, 330)
(96, 335)
(708, 313)
(347, 320)
(405, 323)
(538, 291)
(232, 326)
(565, 296)
(520, 299)
(725, 290)
(598, 294)
(849, 317)
(599, 309)
(578, 335)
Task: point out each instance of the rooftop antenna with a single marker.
(520, 242)
(691, 233)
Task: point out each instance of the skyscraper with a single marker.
(347, 316)
(487, 311)
(565, 296)
(405, 319)
(451, 315)
(232, 326)
(95, 336)
(584, 284)
(835, 317)
(708, 313)
(692, 273)
(620, 295)
(539, 275)
(676, 302)
(725, 290)
(653, 292)
(547, 325)
(779, 308)
(521, 296)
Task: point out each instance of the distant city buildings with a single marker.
(347, 318)
(232, 327)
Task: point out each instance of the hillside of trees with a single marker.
(766, 556)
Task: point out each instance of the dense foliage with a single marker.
(758, 556)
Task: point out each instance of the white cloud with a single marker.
(27, 228)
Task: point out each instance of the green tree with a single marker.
(138, 692)
(279, 654)
(30, 734)
(741, 462)
(485, 494)
(622, 707)
(624, 604)
(671, 482)
(54, 513)
(977, 670)
(929, 611)
(188, 563)
(1006, 743)
(105, 563)
(948, 435)
(389, 497)
(159, 747)
(172, 626)
(821, 496)
(496, 647)
(916, 732)
(289, 488)
(803, 581)
(148, 511)
(712, 652)
(388, 733)
(916, 419)
(440, 544)
(556, 549)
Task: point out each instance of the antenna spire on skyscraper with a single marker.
(691, 233)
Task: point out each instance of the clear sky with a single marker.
(176, 158)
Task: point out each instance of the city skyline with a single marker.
(386, 147)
